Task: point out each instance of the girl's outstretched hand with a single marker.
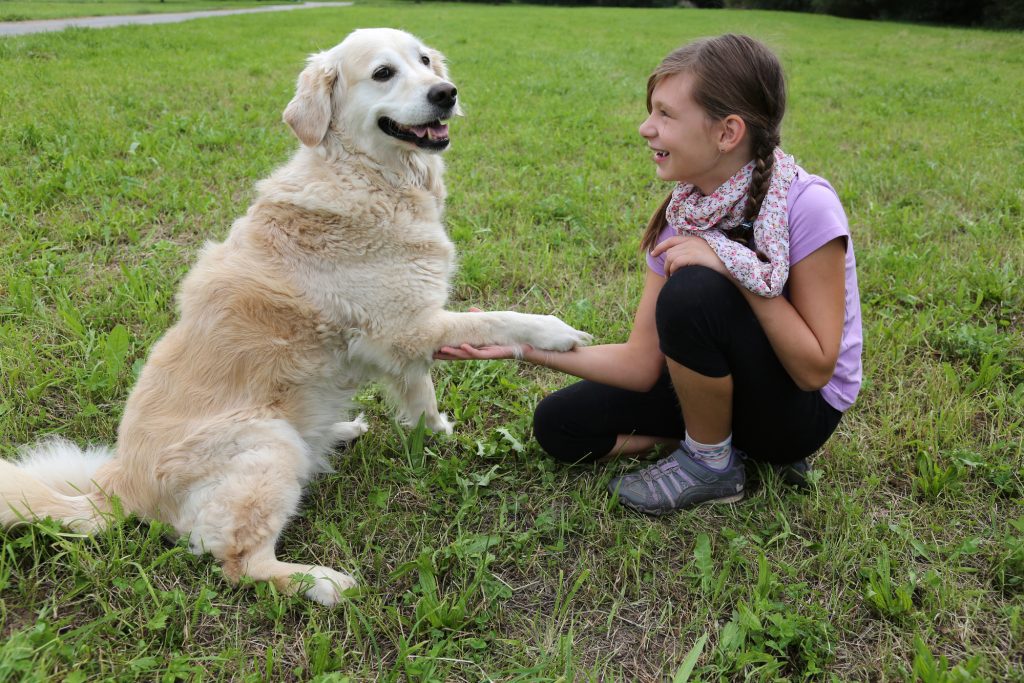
(688, 250)
(470, 352)
(467, 352)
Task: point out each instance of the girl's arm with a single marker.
(805, 331)
(635, 365)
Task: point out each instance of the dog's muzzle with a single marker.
(431, 135)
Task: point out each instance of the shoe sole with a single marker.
(656, 512)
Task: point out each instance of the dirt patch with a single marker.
(16, 619)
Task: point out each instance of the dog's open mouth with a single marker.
(431, 135)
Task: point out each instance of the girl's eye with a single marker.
(383, 73)
(425, 59)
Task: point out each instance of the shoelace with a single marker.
(663, 467)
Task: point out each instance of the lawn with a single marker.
(123, 150)
(24, 10)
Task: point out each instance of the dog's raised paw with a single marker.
(583, 338)
(328, 585)
(556, 335)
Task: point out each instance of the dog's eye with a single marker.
(425, 59)
(383, 73)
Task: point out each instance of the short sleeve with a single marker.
(816, 217)
(657, 263)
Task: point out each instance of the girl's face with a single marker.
(684, 140)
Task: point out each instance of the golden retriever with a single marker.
(338, 274)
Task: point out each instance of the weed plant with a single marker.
(123, 150)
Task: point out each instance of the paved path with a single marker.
(16, 28)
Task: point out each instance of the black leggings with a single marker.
(706, 325)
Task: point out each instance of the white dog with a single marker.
(337, 274)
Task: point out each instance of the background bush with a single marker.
(990, 13)
(1005, 13)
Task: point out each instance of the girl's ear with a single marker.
(731, 133)
(309, 112)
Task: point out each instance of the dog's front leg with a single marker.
(448, 328)
(415, 396)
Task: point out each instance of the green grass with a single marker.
(25, 10)
(122, 150)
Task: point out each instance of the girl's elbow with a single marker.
(647, 378)
(812, 383)
(643, 386)
(646, 364)
(815, 378)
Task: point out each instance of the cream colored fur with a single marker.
(337, 274)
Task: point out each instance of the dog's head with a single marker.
(380, 89)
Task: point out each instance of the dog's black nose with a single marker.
(442, 95)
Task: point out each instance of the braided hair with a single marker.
(733, 74)
(760, 178)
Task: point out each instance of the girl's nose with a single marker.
(646, 130)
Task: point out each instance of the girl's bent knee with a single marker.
(693, 316)
(690, 297)
(554, 431)
(691, 289)
(544, 421)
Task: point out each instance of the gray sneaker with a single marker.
(795, 473)
(679, 482)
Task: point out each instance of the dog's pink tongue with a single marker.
(419, 130)
(440, 131)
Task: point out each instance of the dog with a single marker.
(338, 274)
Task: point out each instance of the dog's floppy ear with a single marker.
(437, 63)
(309, 112)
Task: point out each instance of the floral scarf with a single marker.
(708, 216)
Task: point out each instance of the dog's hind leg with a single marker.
(238, 515)
(320, 584)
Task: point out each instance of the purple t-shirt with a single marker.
(816, 217)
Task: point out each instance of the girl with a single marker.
(747, 337)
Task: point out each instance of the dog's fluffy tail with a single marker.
(55, 479)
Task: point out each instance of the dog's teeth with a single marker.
(437, 131)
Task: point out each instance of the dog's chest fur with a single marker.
(368, 256)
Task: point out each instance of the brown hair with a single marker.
(733, 74)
